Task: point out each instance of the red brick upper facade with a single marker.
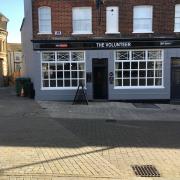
(61, 18)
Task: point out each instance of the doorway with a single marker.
(100, 78)
(175, 79)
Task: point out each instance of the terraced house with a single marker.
(119, 49)
(3, 49)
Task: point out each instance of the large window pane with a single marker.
(177, 18)
(82, 20)
(63, 69)
(44, 17)
(142, 19)
(142, 69)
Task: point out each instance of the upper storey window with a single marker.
(44, 20)
(177, 18)
(82, 20)
(112, 20)
(143, 18)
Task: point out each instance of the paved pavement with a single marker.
(113, 110)
(55, 140)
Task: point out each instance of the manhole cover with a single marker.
(146, 171)
(145, 105)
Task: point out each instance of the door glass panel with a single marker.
(177, 77)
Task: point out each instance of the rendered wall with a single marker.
(114, 94)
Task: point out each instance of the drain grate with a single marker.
(145, 171)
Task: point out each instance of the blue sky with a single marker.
(13, 10)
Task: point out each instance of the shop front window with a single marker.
(139, 68)
(63, 69)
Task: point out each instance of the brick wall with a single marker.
(163, 17)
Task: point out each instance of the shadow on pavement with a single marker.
(125, 133)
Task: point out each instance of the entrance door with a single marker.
(175, 79)
(100, 78)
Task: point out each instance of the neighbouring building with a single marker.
(3, 50)
(119, 49)
(15, 61)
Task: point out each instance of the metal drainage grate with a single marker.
(145, 171)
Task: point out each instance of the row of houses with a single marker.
(118, 49)
(11, 63)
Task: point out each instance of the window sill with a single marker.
(142, 32)
(139, 87)
(112, 33)
(80, 33)
(47, 33)
(58, 88)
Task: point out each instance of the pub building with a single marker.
(118, 49)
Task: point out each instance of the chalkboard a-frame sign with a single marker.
(80, 96)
